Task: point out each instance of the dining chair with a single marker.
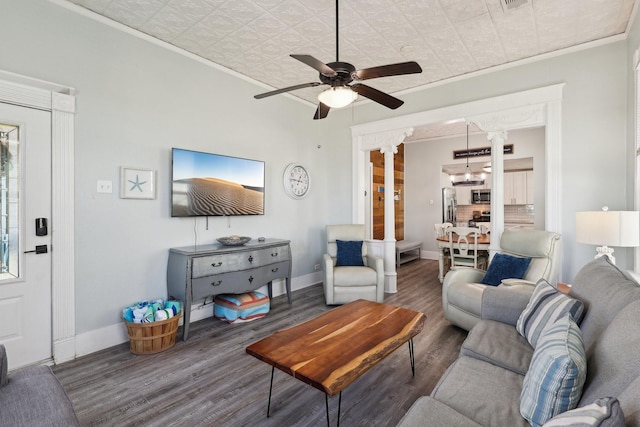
(463, 248)
(441, 233)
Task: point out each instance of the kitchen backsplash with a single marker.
(522, 214)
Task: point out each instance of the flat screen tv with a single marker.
(206, 184)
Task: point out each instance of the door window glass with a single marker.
(9, 201)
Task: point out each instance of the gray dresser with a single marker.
(195, 272)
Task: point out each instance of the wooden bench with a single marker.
(407, 251)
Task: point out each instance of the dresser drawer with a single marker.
(216, 264)
(239, 282)
(266, 256)
(244, 260)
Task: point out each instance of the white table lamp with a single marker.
(608, 228)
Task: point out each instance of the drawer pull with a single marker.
(274, 254)
(216, 264)
(275, 270)
(250, 258)
(218, 283)
(250, 279)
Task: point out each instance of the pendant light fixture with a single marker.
(467, 172)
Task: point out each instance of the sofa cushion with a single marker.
(505, 303)
(557, 373)
(481, 391)
(546, 305)
(349, 253)
(596, 282)
(505, 266)
(614, 362)
(605, 412)
(437, 414)
(500, 344)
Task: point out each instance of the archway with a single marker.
(536, 107)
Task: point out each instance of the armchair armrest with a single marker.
(519, 283)
(463, 275)
(376, 263)
(504, 304)
(327, 264)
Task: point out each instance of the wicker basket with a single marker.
(153, 337)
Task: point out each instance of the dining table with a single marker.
(484, 240)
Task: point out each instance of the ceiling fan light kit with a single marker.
(337, 97)
(338, 75)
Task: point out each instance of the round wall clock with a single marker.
(296, 181)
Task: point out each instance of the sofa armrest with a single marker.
(4, 366)
(504, 304)
(427, 411)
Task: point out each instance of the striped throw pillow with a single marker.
(605, 412)
(546, 305)
(553, 384)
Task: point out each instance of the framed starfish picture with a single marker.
(137, 183)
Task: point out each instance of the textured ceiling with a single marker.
(448, 38)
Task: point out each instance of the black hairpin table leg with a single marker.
(413, 363)
(326, 403)
(270, 388)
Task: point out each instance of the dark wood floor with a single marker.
(209, 380)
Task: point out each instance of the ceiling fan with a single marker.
(339, 74)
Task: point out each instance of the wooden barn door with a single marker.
(379, 193)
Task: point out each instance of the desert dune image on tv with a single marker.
(205, 184)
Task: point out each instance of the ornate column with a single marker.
(387, 143)
(391, 277)
(497, 188)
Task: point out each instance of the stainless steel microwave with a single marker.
(481, 196)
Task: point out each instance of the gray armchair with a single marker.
(462, 291)
(343, 284)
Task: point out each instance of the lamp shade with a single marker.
(608, 228)
(337, 96)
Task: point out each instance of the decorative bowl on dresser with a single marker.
(196, 272)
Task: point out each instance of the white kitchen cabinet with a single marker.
(463, 195)
(518, 188)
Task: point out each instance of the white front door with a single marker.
(25, 250)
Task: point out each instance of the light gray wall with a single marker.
(137, 100)
(423, 178)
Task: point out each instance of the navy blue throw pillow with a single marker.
(505, 266)
(349, 253)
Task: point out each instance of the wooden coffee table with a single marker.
(332, 350)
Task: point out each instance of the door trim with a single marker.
(60, 101)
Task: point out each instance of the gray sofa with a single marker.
(32, 396)
(483, 386)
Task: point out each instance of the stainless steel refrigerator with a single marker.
(449, 205)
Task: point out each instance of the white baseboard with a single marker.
(430, 255)
(109, 336)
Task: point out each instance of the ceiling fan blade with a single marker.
(321, 112)
(410, 67)
(377, 96)
(316, 64)
(286, 89)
